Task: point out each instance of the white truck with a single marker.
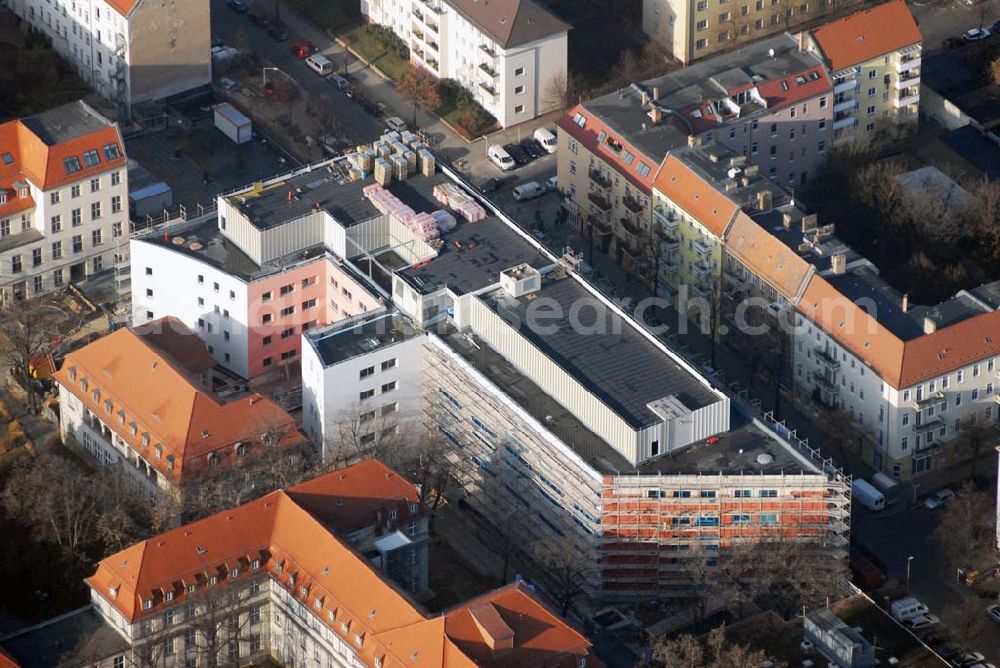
(864, 493)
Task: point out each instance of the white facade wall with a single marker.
(901, 428)
(166, 282)
(105, 446)
(53, 261)
(512, 86)
(332, 395)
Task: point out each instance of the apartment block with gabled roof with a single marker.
(873, 57)
(506, 53)
(274, 578)
(175, 428)
(129, 51)
(63, 199)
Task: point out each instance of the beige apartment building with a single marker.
(695, 29)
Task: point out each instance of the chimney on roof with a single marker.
(656, 93)
(803, 40)
(906, 303)
(929, 325)
(809, 222)
(645, 98)
(751, 170)
(786, 220)
(694, 141)
(764, 200)
(497, 635)
(656, 115)
(838, 263)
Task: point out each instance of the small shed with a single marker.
(233, 123)
(153, 198)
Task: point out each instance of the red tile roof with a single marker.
(349, 500)
(900, 363)
(588, 136)
(867, 34)
(331, 580)
(695, 195)
(123, 7)
(176, 423)
(6, 661)
(794, 88)
(42, 163)
(173, 339)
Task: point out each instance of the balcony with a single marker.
(844, 86)
(488, 69)
(632, 204)
(927, 425)
(827, 384)
(631, 249)
(907, 62)
(600, 179)
(843, 122)
(698, 290)
(428, 4)
(600, 226)
(431, 26)
(488, 89)
(669, 243)
(702, 270)
(931, 399)
(906, 97)
(488, 50)
(827, 359)
(631, 227)
(845, 105)
(601, 202)
(909, 78)
(418, 15)
(701, 248)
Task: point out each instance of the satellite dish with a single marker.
(770, 52)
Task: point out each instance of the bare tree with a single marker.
(566, 570)
(711, 651)
(29, 330)
(967, 622)
(57, 499)
(556, 94)
(326, 117)
(627, 69)
(967, 527)
(429, 467)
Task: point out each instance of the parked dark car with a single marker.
(237, 6)
(533, 148)
(952, 43)
(494, 184)
(517, 154)
(259, 20)
(278, 33)
(369, 107)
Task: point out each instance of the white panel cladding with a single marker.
(236, 227)
(381, 233)
(292, 236)
(554, 380)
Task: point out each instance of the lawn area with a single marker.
(332, 15)
(361, 41)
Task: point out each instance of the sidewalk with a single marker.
(39, 431)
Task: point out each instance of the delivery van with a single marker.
(547, 139)
(500, 157)
(865, 494)
(529, 190)
(320, 64)
(907, 608)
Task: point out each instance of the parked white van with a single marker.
(500, 157)
(907, 608)
(320, 64)
(529, 190)
(547, 139)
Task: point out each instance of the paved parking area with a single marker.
(940, 19)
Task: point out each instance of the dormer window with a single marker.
(96, 394)
(170, 462)
(147, 604)
(234, 573)
(145, 439)
(192, 588)
(121, 417)
(71, 164)
(113, 591)
(414, 507)
(72, 373)
(213, 459)
(358, 639)
(255, 565)
(214, 580)
(84, 384)
(318, 604)
(241, 449)
(108, 405)
(169, 596)
(133, 428)
(158, 450)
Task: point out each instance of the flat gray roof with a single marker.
(722, 456)
(77, 638)
(342, 341)
(705, 80)
(602, 351)
(327, 187)
(473, 254)
(67, 122)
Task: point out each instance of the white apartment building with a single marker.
(130, 51)
(507, 53)
(351, 396)
(63, 199)
(915, 376)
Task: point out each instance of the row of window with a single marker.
(709, 494)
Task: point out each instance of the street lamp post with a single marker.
(909, 560)
(263, 74)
